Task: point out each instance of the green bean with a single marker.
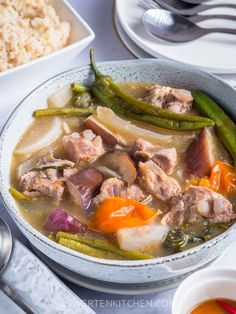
(80, 247)
(225, 127)
(18, 195)
(71, 111)
(79, 89)
(103, 90)
(103, 245)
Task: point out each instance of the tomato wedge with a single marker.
(117, 212)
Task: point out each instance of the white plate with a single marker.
(141, 54)
(214, 52)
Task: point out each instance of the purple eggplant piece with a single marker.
(83, 186)
(60, 220)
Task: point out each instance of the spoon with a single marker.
(195, 1)
(176, 28)
(6, 246)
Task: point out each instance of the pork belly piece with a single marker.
(141, 237)
(83, 186)
(84, 146)
(173, 99)
(154, 180)
(69, 172)
(115, 187)
(165, 158)
(108, 137)
(197, 204)
(48, 182)
(199, 156)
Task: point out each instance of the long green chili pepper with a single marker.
(71, 111)
(170, 124)
(225, 127)
(103, 90)
(103, 245)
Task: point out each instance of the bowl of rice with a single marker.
(36, 35)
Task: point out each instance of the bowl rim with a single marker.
(55, 246)
(86, 40)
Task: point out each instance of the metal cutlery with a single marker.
(150, 4)
(194, 1)
(182, 8)
(176, 28)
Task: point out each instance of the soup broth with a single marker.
(37, 211)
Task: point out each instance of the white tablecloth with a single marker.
(99, 15)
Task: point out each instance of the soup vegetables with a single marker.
(127, 176)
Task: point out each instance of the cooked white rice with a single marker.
(29, 29)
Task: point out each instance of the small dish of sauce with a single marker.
(212, 307)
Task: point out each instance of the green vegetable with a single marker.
(40, 113)
(103, 245)
(178, 125)
(225, 127)
(18, 195)
(80, 89)
(112, 96)
(80, 247)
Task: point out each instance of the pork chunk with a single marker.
(173, 99)
(197, 204)
(48, 182)
(45, 161)
(154, 180)
(199, 156)
(165, 158)
(84, 146)
(115, 187)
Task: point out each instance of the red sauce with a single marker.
(211, 307)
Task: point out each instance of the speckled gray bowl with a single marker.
(127, 272)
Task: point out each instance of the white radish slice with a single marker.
(42, 132)
(129, 131)
(141, 237)
(61, 97)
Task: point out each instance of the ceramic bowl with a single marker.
(206, 284)
(162, 269)
(80, 37)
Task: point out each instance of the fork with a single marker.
(182, 8)
(151, 4)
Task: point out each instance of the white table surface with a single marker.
(99, 15)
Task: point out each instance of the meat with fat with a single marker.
(154, 180)
(83, 146)
(198, 204)
(48, 182)
(165, 158)
(174, 99)
(115, 187)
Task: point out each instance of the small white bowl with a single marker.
(40, 69)
(206, 284)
